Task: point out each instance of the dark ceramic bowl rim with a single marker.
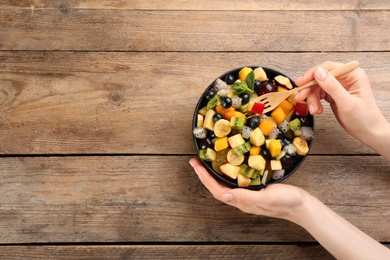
(227, 181)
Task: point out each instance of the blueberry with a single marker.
(211, 134)
(229, 79)
(209, 95)
(244, 98)
(265, 153)
(205, 143)
(226, 102)
(217, 117)
(287, 162)
(253, 122)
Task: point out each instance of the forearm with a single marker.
(338, 236)
(379, 139)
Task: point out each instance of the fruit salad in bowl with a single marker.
(239, 144)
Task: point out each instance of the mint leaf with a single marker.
(241, 87)
(250, 80)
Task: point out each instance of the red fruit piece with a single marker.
(258, 108)
(301, 109)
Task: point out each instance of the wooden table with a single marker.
(96, 103)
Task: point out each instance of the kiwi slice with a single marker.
(243, 148)
(213, 102)
(237, 122)
(220, 158)
(207, 155)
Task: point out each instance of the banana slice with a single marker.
(222, 128)
(235, 159)
(301, 145)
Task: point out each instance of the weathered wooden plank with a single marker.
(311, 251)
(125, 199)
(92, 102)
(128, 30)
(200, 5)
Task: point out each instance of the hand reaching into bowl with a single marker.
(353, 103)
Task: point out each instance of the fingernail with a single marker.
(227, 197)
(320, 73)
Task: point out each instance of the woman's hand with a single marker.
(352, 101)
(277, 200)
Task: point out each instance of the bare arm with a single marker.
(338, 236)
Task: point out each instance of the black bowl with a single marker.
(298, 160)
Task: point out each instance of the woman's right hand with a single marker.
(352, 101)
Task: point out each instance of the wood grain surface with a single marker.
(96, 105)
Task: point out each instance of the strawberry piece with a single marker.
(258, 108)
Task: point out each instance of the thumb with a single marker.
(330, 85)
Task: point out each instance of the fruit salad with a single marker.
(241, 144)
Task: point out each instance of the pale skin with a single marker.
(351, 100)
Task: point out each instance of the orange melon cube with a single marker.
(275, 147)
(227, 113)
(266, 126)
(278, 115)
(281, 89)
(286, 106)
(221, 143)
(255, 150)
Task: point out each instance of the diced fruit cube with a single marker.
(276, 175)
(301, 109)
(230, 170)
(276, 165)
(203, 110)
(257, 137)
(257, 108)
(226, 113)
(281, 89)
(255, 150)
(243, 73)
(207, 154)
(266, 126)
(286, 106)
(200, 119)
(208, 120)
(275, 147)
(282, 80)
(236, 140)
(243, 181)
(221, 143)
(257, 162)
(260, 74)
(278, 115)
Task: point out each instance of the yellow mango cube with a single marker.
(278, 115)
(275, 147)
(266, 126)
(221, 143)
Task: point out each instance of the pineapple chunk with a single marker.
(257, 162)
(230, 170)
(243, 181)
(256, 137)
(236, 140)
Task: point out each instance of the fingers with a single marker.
(239, 198)
(216, 189)
(330, 85)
